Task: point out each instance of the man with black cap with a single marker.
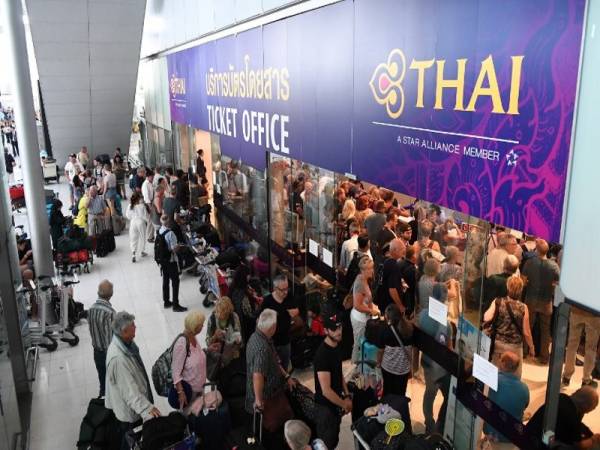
(332, 399)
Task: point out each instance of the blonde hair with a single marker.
(349, 209)
(223, 306)
(364, 263)
(194, 322)
(514, 286)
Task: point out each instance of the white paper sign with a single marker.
(485, 371)
(516, 233)
(438, 311)
(313, 247)
(327, 257)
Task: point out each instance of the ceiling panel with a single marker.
(87, 54)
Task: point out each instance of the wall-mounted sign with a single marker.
(426, 97)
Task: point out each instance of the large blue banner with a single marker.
(468, 104)
(284, 88)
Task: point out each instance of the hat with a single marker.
(332, 322)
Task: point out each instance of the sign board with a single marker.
(400, 96)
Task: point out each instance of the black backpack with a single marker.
(99, 428)
(162, 254)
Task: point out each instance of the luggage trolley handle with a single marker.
(254, 439)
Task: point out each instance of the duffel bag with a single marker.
(161, 432)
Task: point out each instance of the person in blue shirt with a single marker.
(512, 394)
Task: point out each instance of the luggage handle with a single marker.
(252, 439)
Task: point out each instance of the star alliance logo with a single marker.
(512, 158)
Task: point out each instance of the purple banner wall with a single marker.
(466, 104)
(501, 155)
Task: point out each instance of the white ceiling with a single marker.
(87, 54)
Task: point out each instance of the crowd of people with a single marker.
(393, 261)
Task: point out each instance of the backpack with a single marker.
(98, 428)
(162, 377)
(162, 254)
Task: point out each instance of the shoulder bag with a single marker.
(489, 327)
(406, 354)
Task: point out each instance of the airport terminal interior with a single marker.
(314, 224)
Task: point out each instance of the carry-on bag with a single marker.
(98, 428)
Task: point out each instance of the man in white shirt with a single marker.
(72, 167)
(507, 245)
(349, 247)
(148, 194)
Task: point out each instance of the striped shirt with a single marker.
(100, 317)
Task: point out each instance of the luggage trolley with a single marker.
(46, 334)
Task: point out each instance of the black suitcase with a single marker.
(212, 427)
(247, 437)
(102, 245)
(161, 432)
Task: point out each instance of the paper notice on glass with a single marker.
(327, 257)
(485, 371)
(313, 247)
(438, 311)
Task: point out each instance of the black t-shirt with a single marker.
(383, 237)
(388, 339)
(284, 320)
(328, 359)
(569, 428)
(392, 278)
(408, 272)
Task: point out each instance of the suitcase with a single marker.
(247, 438)
(212, 427)
(17, 192)
(164, 432)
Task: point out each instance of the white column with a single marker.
(17, 66)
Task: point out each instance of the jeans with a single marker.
(432, 385)
(328, 425)
(170, 272)
(577, 324)
(284, 351)
(541, 309)
(358, 329)
(100, 361)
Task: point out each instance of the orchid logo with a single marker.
(386, 83)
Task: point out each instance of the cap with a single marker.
(332, 322)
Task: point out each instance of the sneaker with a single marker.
(151, 240)
(133, 259)
(167, 304)
(144, 254)
(565, 381)
(590, 383)
(179, 308)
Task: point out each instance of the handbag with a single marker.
(276, 412)
(406, 354)
(348, 302)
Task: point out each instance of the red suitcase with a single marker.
(17, 192)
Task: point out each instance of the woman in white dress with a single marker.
(138, 216)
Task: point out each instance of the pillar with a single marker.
(17, 65)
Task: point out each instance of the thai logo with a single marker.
(386, 84)
(177, 85)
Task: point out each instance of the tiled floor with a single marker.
(66, 379)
